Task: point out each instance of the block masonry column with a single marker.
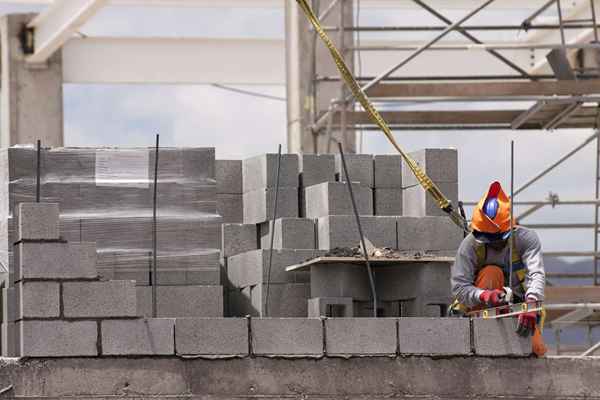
(31, 98)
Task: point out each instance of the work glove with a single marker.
(492, 298)
(527, 321)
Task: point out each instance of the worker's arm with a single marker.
(531, 255)
(463, 274)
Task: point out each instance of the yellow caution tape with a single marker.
(362, 98)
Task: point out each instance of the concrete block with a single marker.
(340, 280)
(57, 338)
(416, 202)
(200, 301)
(285, 300)
(498, 338)
(290, 233)
(240, 303)
(388, 201)
(387, 171)
(252, 267)
(316, 168)
(99, 299)
(56, 261)
(434, 336)
(212, 336)
(152, 336)
(342, 231)
(38, 299)
(238, 238)
(9, 304)
(441, 165)
(260, 172)
(287, 336)
(229, 176)
(360, 168)
(258, 204)
(38, 221)
(428, 234)
(10, 342)
(333, 198)
(333, 307)
(361, 336)
(231, 207)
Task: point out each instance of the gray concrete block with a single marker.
(10, 342)
(387, 171)
(231, 207)
(38, 221)
(498, 338)
(258, 204)
(9, 304)
(342, 231)
(290, 233)
(361, 336)
(200, 301)
(57, 338)
(416, 202)
(56, 260)
(260, 172)
(428, 234)
(333, 307)
(252, 267)
(316, 168)
(240, 303)
(340, 280)
(287, 336)
(99, 299)
(212, 336)
(238, 238)
(152, 336)
(285, 300)
(434, 336)
(441, 165)
(229, 176)
(38, 299)
(388, 201)
(333, 198)
(360, 168)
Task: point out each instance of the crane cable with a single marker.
(374, 115)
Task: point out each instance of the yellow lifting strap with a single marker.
(362, 98)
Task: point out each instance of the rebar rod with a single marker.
(360, 231)
(154, 234)
(511, 239)
(38, 171)
(272, 238)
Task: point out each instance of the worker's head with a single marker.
(491, 217)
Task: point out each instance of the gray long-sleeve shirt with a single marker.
(465, 265)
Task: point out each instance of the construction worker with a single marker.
(480, 274)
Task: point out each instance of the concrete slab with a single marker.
(499, 338)
(57, 338)
(260, 172)
(38, 221)
(388, 201)
(287, 336)
(316, 168)
(360, 168)
(387, 171)
(342, 231)
(361, 336)
(332, 307)
(200, 301)
(259, 204)
(434, 336)
(333, 198)
(238, 238)
(290, 233)
(212, 336)
(229, 176)
(153, 336)
(38, 299)
(99, 299)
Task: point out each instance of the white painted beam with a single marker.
(57, 24)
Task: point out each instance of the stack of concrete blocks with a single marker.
(106, 197)
(229, 190)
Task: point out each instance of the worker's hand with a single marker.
(492, 298)
(527, 321)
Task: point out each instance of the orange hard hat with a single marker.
(491, 217)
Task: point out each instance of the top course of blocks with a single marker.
(261, 171)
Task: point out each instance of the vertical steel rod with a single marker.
(272, 238)
(154, 242)
(594, 22)
(38, 171)
(511, 238)
(561, 23)
(360, 231)
(597, 211)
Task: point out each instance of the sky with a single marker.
(201, 115)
